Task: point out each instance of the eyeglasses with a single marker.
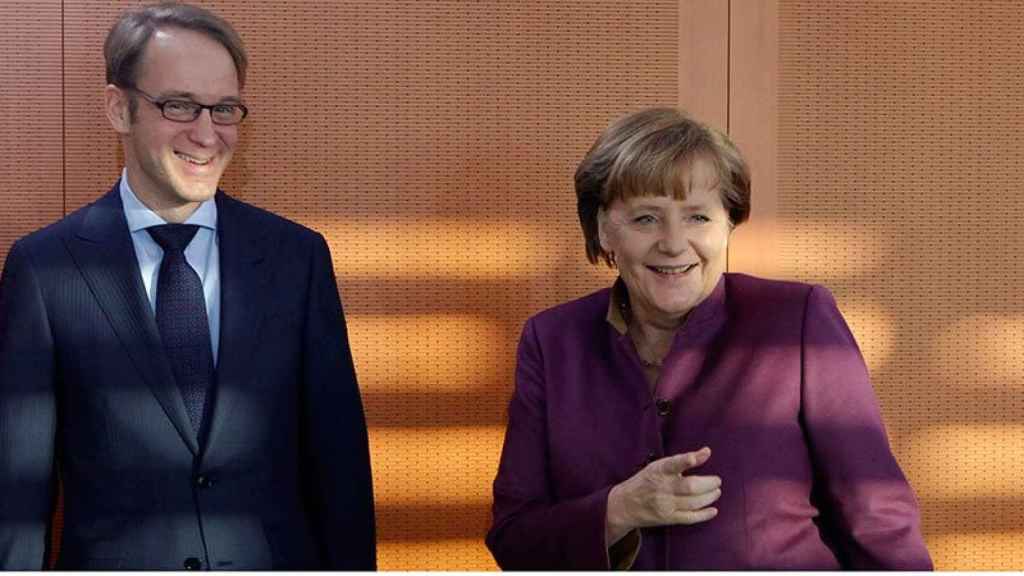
(187, 111)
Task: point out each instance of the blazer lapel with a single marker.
(105, 256)
(243, 303)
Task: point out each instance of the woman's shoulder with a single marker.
(581, 313)
(746, 287)
(761, 297)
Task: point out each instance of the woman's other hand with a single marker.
(660, 494)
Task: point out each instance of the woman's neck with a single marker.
(652, 341)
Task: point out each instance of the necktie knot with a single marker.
(173, 237)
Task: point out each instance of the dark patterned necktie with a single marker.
(181, 319)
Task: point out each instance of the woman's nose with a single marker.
(674, 239)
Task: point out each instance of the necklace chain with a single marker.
(642, 353)
(647, 363)
(627, 314)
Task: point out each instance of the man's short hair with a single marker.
(127, 39)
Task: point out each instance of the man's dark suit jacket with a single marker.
(87, 396)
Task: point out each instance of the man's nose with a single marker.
(203, 129)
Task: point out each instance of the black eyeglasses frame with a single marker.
(162, 104)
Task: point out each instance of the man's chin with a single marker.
(196, 193)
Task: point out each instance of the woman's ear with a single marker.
(602, 230)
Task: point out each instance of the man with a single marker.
(174, 359)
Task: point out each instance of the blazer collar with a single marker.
(710, 311)
(244, 249)
(139, 216)
(103, 250)
(103, 221)
(106, 256)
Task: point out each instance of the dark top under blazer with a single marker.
(765, 373)
(86, 392)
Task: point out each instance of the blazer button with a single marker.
(664, 406)
(204, 481)
(192, 563)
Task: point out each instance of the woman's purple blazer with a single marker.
(768, 375)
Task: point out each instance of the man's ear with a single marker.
(117, 106)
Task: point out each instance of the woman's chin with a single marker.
(671, 312)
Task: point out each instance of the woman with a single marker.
(688, 418)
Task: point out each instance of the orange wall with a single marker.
(433, 143)
(889, 136)
(30, 105)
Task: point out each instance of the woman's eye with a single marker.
(645, 219)
(699, 218)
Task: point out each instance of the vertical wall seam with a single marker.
(63, 119)
(728, 67)
(728, 94)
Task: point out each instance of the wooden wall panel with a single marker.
(704, 60)
(93, 160)
(753, 126)
(31, 182)
(899, 154)
(434, 144)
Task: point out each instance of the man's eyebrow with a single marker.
(180, 95)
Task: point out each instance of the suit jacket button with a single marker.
(664, 407)
(192, 563)
(204, 481)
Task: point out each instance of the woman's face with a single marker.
(670, 253)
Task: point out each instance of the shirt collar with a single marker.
(618, 307)
(140, 217)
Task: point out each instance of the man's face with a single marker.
(173, 166)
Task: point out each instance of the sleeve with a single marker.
(335, 439)
(531, 529)
(869, 511)
(27, 417)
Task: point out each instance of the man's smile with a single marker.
(193, 159)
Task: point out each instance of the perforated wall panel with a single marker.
(433, 143)
(30, 106)
(900, 157)
(31, 142)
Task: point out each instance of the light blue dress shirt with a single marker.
(202, 253)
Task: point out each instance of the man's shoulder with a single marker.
(261, 227)
(255, 218)
(52, 235)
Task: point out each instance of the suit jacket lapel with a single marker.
(243, 305)
(105, 256)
